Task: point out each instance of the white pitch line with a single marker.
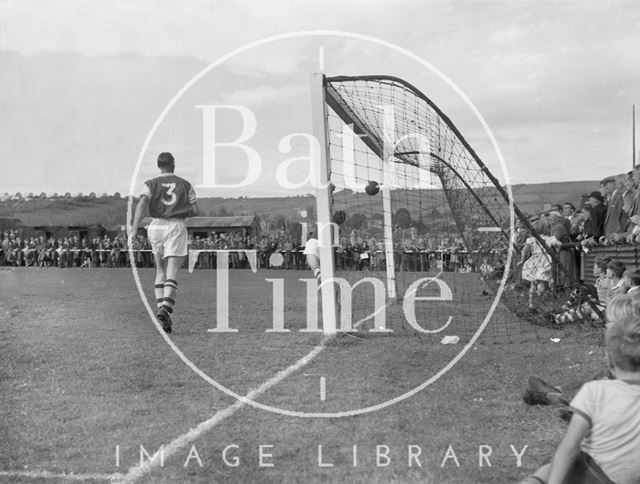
(58, 476)
(139, 471)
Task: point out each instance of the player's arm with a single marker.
(569, 448)
(137, 216)
(194, 210)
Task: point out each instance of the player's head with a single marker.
(623, 343)
(166, 163)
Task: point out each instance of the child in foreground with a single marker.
(602, 443)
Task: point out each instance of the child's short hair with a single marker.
(602, 262)
(623, 344)
(616, 267)
(633, 275)
(623, 307)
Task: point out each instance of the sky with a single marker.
(82, 84)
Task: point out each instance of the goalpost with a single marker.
(323, 198)
(412, 191)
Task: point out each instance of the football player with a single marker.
(171, 200)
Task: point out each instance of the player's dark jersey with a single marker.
(169, 196)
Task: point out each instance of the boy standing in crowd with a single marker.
(171, 200)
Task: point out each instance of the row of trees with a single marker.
(401, 219)
(67, 195)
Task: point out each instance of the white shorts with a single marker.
(168, 237)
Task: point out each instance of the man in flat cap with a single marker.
(607, 187)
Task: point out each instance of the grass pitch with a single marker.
(84, 373)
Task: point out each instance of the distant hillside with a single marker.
(107, 211)
(533, 198)
(111, 211)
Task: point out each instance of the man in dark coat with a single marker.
(594, 225)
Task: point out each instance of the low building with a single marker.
(8, 223)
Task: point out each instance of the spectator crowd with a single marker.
(40, 251)
(274, 250)
(608, 216)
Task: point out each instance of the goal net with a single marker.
(415, 208)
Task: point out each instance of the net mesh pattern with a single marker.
(450, 217)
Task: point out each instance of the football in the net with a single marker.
(372, 188)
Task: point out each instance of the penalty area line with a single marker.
(140, 471)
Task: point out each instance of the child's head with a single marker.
(623, 344)
(632, 277)
(615, 269)
(600, 265)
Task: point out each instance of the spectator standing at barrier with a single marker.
(94, 248)
(365, 258)
(607, 187)
(233, 245)
(635, 204)
(616, 219)
(31, 250)
(42, 251)
(85, 254)
(628, 195)
(560, 240)
(51, 253)
(263, 248)
(6, 249)
(65, 253)
(272, 247)
(105, 250)
(594, 224)
(581, 219)
(288, 249)
(74, 251)
(569, 212)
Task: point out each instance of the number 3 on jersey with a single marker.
(171, 200)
